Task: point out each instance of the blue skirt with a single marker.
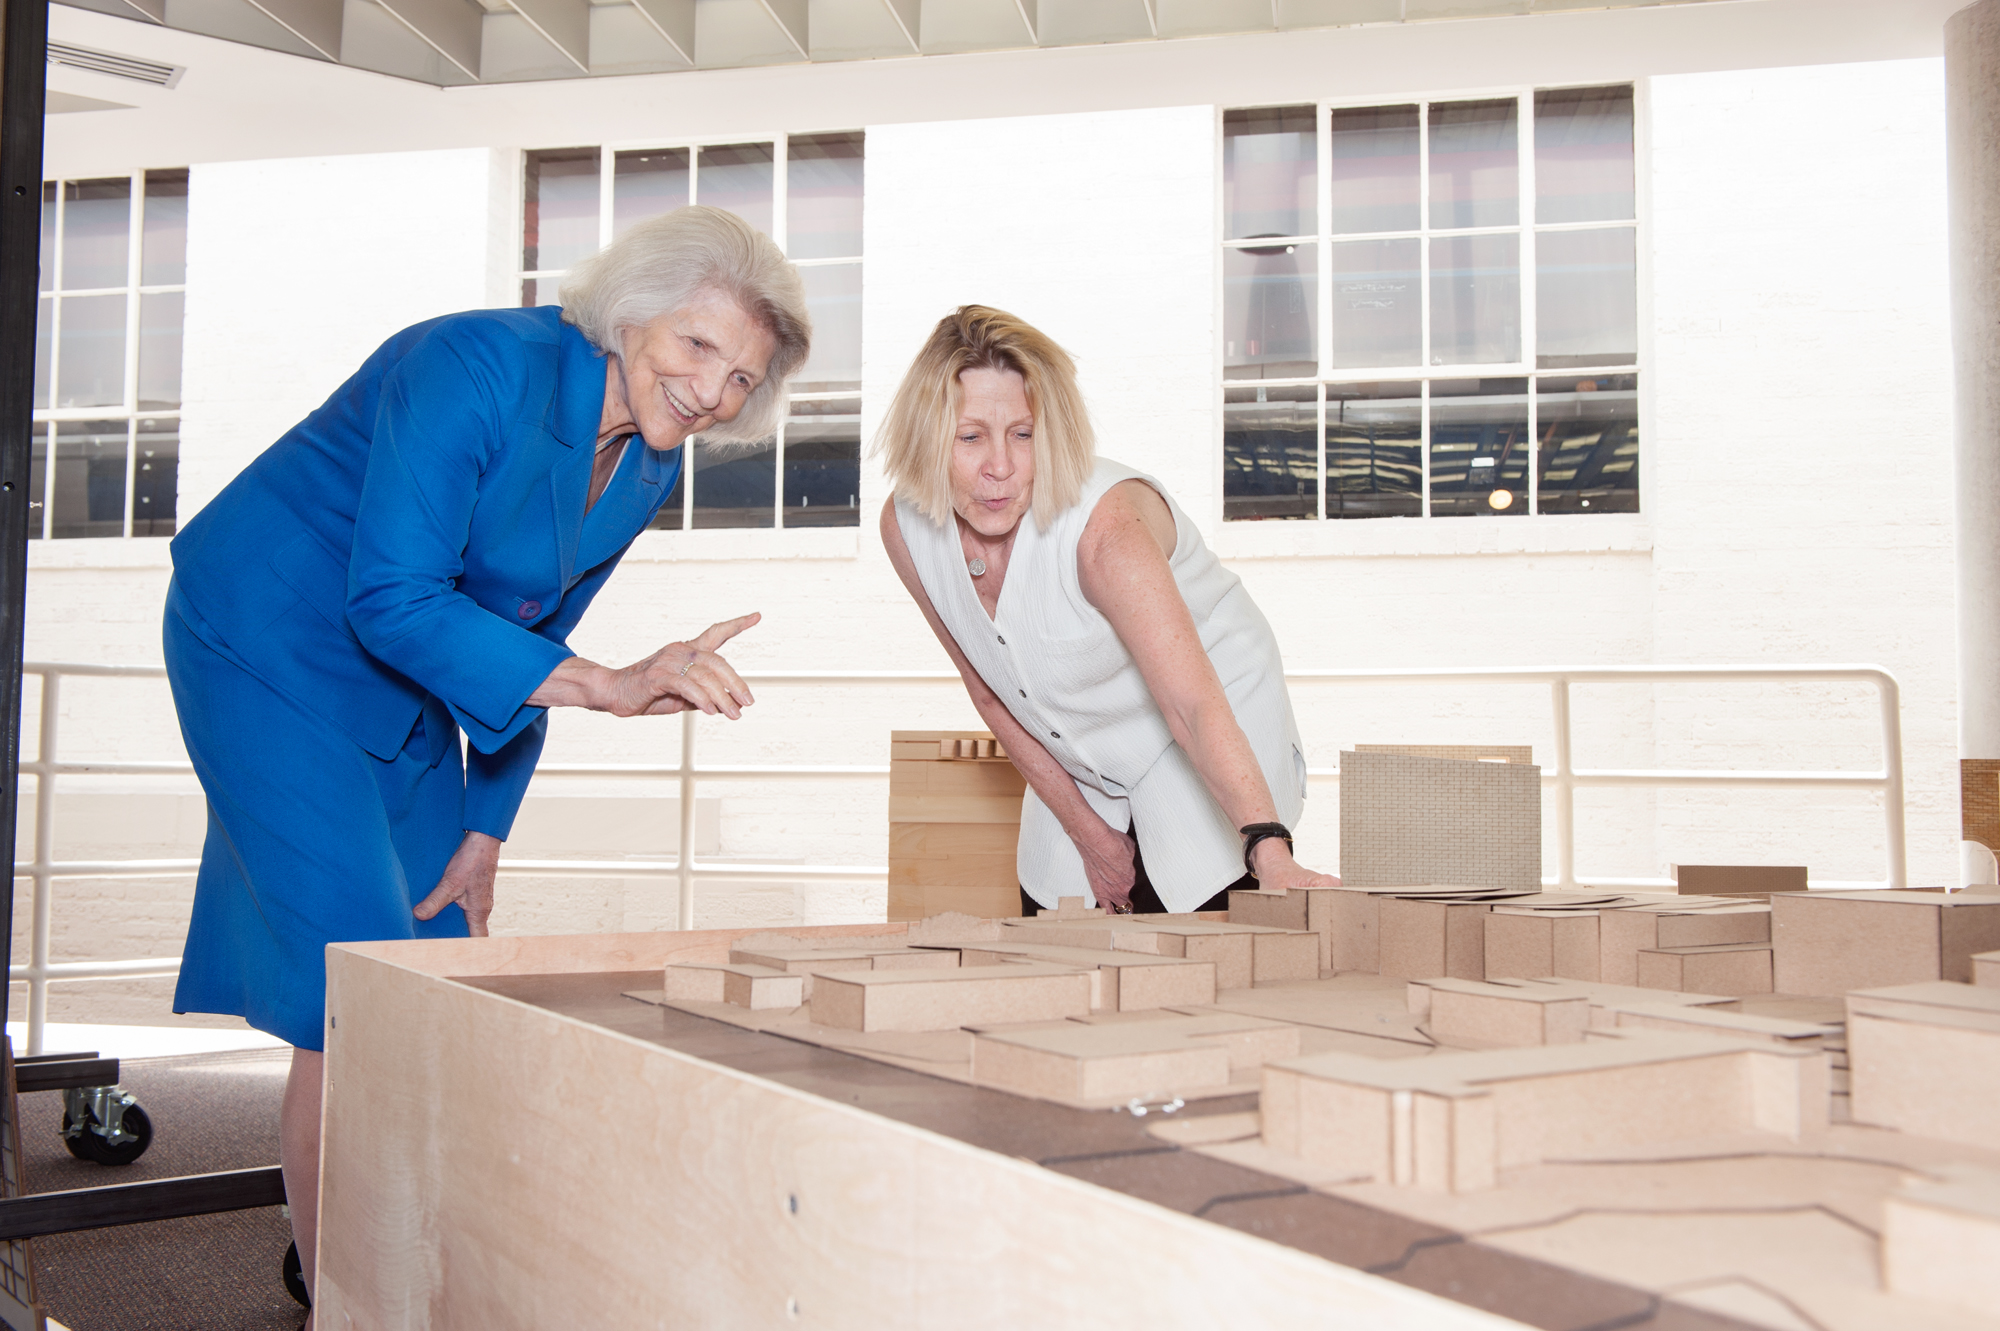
(311, 839)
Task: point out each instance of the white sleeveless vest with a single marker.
(1062, 671)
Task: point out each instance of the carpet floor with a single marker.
(204, 1273)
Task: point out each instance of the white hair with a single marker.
(662, 264)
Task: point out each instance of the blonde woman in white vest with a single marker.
(1129, 675)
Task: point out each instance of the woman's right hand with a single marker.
(681, 676)
(1107, 864)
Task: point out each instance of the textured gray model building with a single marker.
(1408, 820)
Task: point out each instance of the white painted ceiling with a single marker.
(449, 42)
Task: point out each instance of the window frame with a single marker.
(1526, 227)
(607, 156)
(48, 418)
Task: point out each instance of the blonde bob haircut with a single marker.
(915, 442)
(662, 264)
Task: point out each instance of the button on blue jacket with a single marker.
(431, 513)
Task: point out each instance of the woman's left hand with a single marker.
(468, 880)
(1277, 871)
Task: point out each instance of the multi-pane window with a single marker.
(1430, 308)
(108, 356)
(804, 191)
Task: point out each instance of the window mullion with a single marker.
(778, 479)
(131, 467)
(1424, 437)
(134, 231)
(1530, 299)
(1322, 452)
(607, 163)
(1424, 287)
(780, 192)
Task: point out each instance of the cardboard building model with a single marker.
(1459, 1052)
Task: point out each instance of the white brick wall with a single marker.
(1801, 445)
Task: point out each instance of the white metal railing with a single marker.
(1563, 781)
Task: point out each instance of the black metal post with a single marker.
(24, 44)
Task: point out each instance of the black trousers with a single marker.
(1145, 901)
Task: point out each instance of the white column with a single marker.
(1972, 119)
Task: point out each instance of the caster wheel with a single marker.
(88, 1145)
(295, 1278)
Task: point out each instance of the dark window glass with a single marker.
(48, 256)
(734, 486)
(155, 477)
(160, 349)
(1374, 450)
(163, 246)
(669, 516)
(45, 317)
(737, 177)
(90, 479)
(1375, 169)
(1589, 454)
(1475, 163)
(1479, 447)
(97, 222)
(1378, 308)
(1583, 155)
(560, 216)
(823, 465)
(1476, 299)
(833, 297)
(1269, 165)
(1270, 312)
(823, 196)
(1586, 297)
(38, 481)
(1270, 453)
(646, 184)
(91, 352)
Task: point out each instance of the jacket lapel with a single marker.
(574, 415)
(644, 479)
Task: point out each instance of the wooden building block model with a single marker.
(1472, 1014)
(1424, 939)
(1941, 1239)
(1739, 880)
(1406, 820)
(1925, 1059)
(1120, 981)
(1523, 942)
(1103, 1063)
(954, 824)
(1735, 969)
(1986, 970)
(758, 987)
(1241, 954)
(1310, 910)
(1827, 943)
(1623, 934)
(1691, 1020)
(1453, 1121)
(920, 1000)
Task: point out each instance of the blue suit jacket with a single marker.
(418, 545)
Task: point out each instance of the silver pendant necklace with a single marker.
(976, 567)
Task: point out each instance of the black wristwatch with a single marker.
(1257, 832)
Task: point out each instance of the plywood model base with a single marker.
(491, 1163)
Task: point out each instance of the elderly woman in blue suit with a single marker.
(405, 565)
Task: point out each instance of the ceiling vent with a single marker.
(117, 66)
